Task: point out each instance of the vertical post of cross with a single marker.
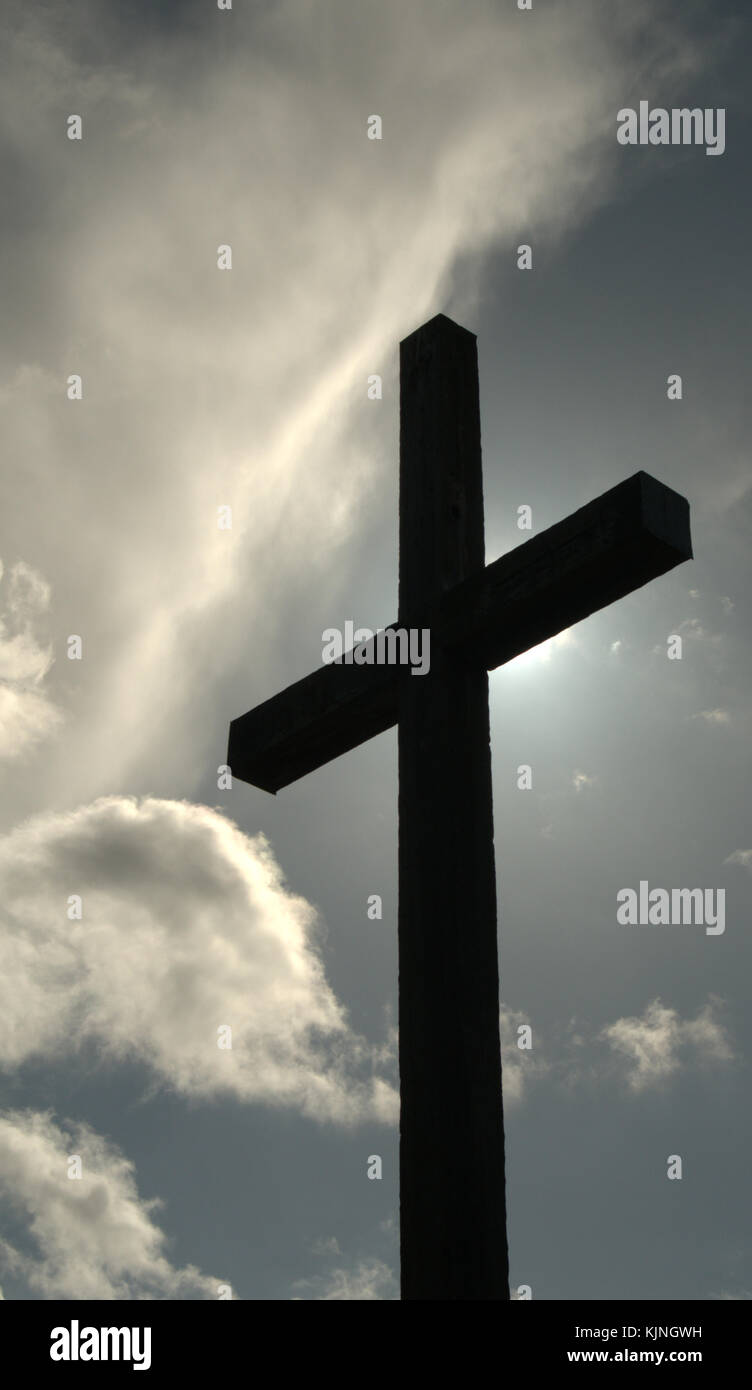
(452, 1196)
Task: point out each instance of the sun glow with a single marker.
(542, 654)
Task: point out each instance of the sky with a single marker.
(139, 1159)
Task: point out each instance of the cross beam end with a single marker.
(313, 721)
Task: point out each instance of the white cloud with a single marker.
(27, 714)
(693, 629)
(637, 1052)
(714, 716)
(742, 857)
(187, 926)
(519, 1066)
(659, 1043)
(367, 1280)
(325, 1245)
(88, 1238)
(247, 387)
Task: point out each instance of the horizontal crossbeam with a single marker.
(605, 550)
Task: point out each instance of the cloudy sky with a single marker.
(207, 1168)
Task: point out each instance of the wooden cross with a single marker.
(452, 1197)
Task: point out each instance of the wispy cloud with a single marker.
(638, 1053)
(742, 857)
(582, 780)
(714, 716)
(520, 1066)
(246, 388)
(366, 1280)
(27, 714)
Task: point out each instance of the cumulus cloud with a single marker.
(366, 1280)
(187, 928)
(27, 714)
(87, 1237)
(657, 1044)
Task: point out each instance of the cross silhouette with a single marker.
(452, 1192)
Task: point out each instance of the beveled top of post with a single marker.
(439, 326)
(441, 483)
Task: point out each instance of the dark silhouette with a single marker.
(452, 1200)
